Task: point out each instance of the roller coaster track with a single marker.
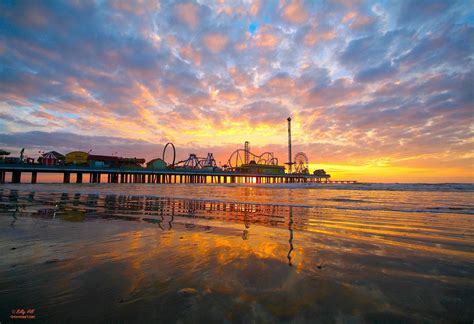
(238, 157)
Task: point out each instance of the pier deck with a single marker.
(123, 175)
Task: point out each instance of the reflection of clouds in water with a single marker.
(121, 245)
(140, 207)
(192, 215)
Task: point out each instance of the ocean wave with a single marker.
(438, 187)
(336, 203)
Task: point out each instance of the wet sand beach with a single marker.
(193, 253)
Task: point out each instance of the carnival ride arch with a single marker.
(174, 153)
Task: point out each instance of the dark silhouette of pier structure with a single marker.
(262, 168)
(122, 175)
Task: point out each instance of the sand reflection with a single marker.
(134, 258)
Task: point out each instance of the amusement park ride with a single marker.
(242, 160)
(192, 162)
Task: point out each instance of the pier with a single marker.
(85, 174)
(243, 166)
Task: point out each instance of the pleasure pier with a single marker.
(85, 174)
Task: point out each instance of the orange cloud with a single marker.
(188, 14)
(138, 7)
(189, 54)
(171, 39)
(239, 77)
(357, 21)
(228, 9)
(295, 12)
(348, 17)
(45, 115)
(280, 84)
(228, 95)
(314, 37)
(215, 42)
(254, 8)
(240, 46)
(266, 40)
(362, 21)
(144, 97)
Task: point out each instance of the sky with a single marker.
(377, 90)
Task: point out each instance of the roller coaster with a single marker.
(241, 156)
(238, 159)
(195, 162)
(192, 162)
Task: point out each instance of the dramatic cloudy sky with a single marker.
(378, 91)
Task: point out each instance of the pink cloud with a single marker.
(190, 54)
(295, 12)
(356, 20)
(215, 42)
(255, 8)
(266, 37)
(314, 37)
(188, 13)
(348, 17)
(138, 7)
(266, 40)
(361, 22)
(44, 115)
(229, 95)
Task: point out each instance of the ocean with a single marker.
(237, 253)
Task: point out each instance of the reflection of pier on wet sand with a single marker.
(285, 260)
(80, 174)
(165, 212)
(78, 207)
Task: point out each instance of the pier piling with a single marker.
(67, 177)
(16, 177)
(34, 177)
